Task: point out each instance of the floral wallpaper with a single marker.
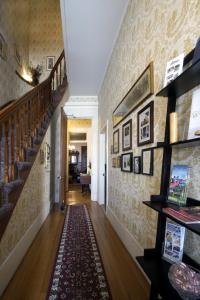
(151, 31)
(14, 27)
(45, 33)
(34, 29)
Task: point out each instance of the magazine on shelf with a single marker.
(178, 186)
(187, 215)
(174, 241)
(194, 124)
(174, 69)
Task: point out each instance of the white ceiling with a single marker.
(90, 29)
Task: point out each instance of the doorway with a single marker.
(80, 155)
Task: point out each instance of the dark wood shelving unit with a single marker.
(185, 82)
(152, 263)
(186, 143)
(157, 271)
(158, 206)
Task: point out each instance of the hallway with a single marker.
(32, 278)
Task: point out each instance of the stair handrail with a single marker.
(23, 124)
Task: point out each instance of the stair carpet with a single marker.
(23, 167)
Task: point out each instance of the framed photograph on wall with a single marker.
(127, 136)
(137, 164)
(126, 162)
(116, 141)
(50, 62)
(145, 123)
(147, 162)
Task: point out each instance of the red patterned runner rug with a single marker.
(78, 272)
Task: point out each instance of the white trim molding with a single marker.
(10, 265)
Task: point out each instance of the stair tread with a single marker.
(10, 186)
(24, 165)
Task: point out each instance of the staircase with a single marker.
(23, 125)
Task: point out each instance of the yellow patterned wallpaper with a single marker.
(157, 31)
(45, 33)
(14, 26)
(35, 27)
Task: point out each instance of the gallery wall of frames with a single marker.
(123, 129)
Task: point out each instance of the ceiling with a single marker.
(90, 29)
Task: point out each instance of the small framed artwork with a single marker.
(147, 162)
(145, 122)
(127, 136)
(118, 163)
(3, 48)
(114, 160)
(126, 162)
(137, 164)
(116, 141)
(50, 62)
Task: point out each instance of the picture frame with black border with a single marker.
(50, 62)
(147, 158)
(116, 141)
(127, 136)
(145, 125)
(127, 162)
(137, 164)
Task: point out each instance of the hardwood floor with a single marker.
(33, 275)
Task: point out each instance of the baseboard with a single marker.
(128, 240)
(10, 265)
(130, 243)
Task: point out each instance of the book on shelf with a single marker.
(174, 241)
(173, 69)
(177, 192)
(187, 215)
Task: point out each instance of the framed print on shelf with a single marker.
(137, 164)
(126, 162)
(50, 62)
(145, 123)
(116, 141)
(127, 136)
(147, 162)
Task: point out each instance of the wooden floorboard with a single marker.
(31, 280)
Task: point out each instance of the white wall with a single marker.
(87, 108)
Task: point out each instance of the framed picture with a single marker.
(147, 162)
(127, 136)
(3, 48)
(114, 162)
(138, 93)
(126, 162)
(145, 125)
(50, 62)
(116, 141)
(118, 163)
(137, 164)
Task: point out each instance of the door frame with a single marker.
(103, 165)
(63, 157)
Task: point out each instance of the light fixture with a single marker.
(72, 147)
(27, 76)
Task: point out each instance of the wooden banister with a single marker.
(21, 124)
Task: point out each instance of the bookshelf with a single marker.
(152, 263)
